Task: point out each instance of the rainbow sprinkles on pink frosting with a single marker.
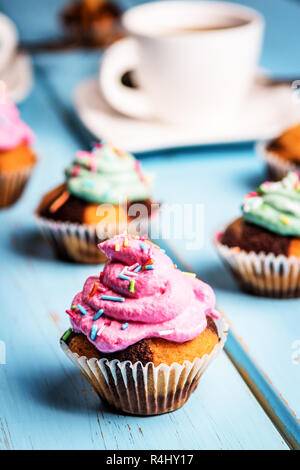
(140, 294)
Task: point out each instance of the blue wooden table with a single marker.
(249, 398)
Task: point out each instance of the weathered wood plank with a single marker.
(44, 395)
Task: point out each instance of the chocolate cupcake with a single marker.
(17, 159)
(105, 193)
(92, 23)
(143, 332)
(262, 248)
(283, 153)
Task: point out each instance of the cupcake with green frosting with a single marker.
(105, 193)
(262, 248)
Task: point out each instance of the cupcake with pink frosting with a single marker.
(143, 332)
(17, 160)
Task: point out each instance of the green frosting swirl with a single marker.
(107, 175)
(276, 206)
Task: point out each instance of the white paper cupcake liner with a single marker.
(78, 242)
(262, 274)
(277, 166)
(75, 242)
(12, 185)
(146, 390)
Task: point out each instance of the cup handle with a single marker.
(118, 59)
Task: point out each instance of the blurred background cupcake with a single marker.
(143, 332)
(105, 193)
(283, 153)
(67, 23)
(262, 248)
(17, 159)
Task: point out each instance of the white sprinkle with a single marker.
(101, 329)
(165, 332)
(128, 273)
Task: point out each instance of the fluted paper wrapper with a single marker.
(262, 274)
(145, 390)
(78, 242)
(70, 241)
(277, 166)
(12, 185)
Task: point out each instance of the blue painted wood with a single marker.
(268, 327)
(189, 168)
(269, 398)
(46, 402)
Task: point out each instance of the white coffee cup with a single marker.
(8, 41)
(194, 62)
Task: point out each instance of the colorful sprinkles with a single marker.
(98, 314)
(101, 329)
(70, 313)
(132, 286)
(94, 332)
(81, 309)
(166, 332)
(59, 202)
(133, 266)
(129, 273)
(284, 220)
(76, 171)
(67, 334)
(112, 298)
(188, 274)
(149, 262)
(143, 246)
(94, 289)
(98, 145)
(149, 267)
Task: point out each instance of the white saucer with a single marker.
(18, 77)
(267, 112)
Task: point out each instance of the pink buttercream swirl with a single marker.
(13, 131)
(161, 301)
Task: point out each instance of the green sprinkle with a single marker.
(132, 286)
(67, 334)
(73, 307)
